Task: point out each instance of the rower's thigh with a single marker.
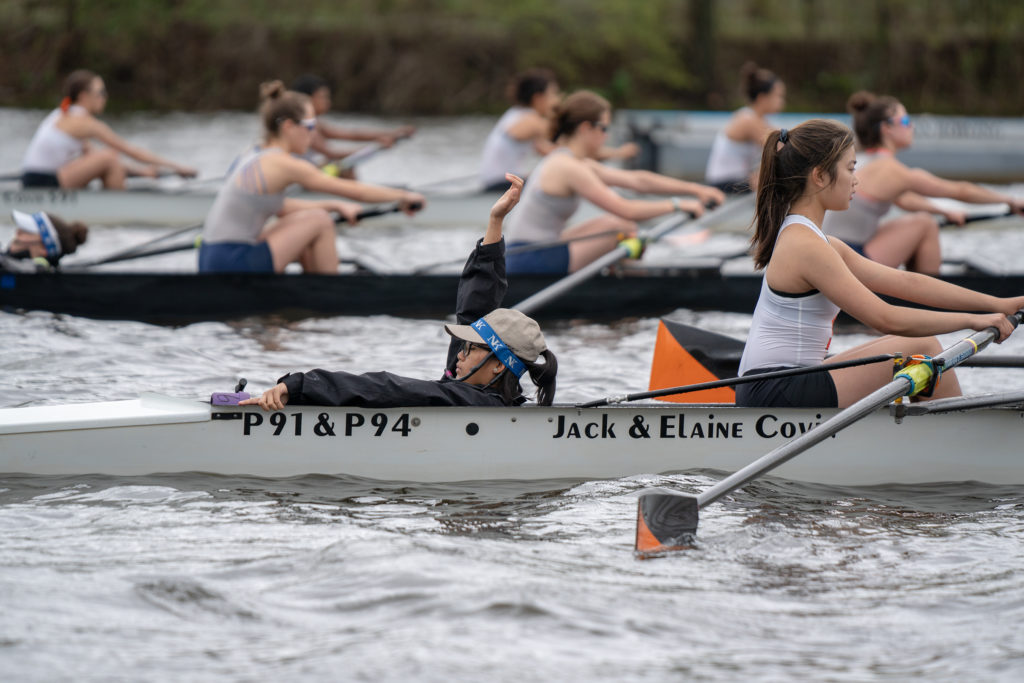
(853, 384)
(78, 172)
(291, 234)
(897, 240)
(586, 251)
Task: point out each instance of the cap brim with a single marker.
(24, 221)
(464, 332)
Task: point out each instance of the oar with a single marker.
(945, 222)
(667, 520)
(588, 271)
(134, 251)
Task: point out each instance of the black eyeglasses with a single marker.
(468, 346)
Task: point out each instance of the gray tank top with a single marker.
(243, 206)
(541, 217)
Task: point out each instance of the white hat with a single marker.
(39, 223)
(505, 330)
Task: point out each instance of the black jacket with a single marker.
(481, 289)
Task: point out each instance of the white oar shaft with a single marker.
(949, 358)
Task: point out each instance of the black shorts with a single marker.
(810, 390)
(36, 179)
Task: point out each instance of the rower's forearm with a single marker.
(930, 291)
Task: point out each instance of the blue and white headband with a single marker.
(500, 349)
(38, 223)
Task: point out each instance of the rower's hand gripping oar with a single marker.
(667, 520)
(628, 248)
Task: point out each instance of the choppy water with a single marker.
(202, 577)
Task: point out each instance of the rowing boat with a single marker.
(155, 207)
(626, 291)
(950, 440)
(678, 143)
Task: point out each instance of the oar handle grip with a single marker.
(379, 211)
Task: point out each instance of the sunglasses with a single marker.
(603, 127)
(308, 124)
(903, 121)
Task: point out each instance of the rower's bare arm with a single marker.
(829, 270)
(930, 185)
(272, 399)
(648, 182)
(627, 150)
(586, 180)
(312, 179)
(501, 209)
(107, 136)
(530, 126)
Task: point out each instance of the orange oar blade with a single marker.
(665, 521)
(674, 366)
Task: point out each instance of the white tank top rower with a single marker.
(790, 330)
(731, 162)
(50, 147)
(503, 153)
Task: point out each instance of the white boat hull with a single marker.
(161, 434)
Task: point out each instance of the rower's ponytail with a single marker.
(869, 111)
(279, 105)
(580, 107)
(786, 161)
(543, 375)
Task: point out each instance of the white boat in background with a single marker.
(151, 206)
(968, 438)
(981, 149)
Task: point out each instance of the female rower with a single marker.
(486, 358)
(736, 150)
(570, 172)
(319, 92)
(527, 124)
(809, 278)
(236, 237)
(40, 238)
(883, 128)
(60, 153)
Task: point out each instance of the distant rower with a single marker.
(61, 152)
(570, 173)
(527, 125)
(883, 128)
(736, 150)
(237, 236)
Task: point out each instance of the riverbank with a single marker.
(406, 57)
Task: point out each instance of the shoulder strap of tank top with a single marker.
(801, 220)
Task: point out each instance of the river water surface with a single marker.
(203, 577)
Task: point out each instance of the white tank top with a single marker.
(731, 160)
(50, 147)
(503, 153)
(789, 330)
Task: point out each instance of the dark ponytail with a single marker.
(786, 161)
(869, 111)
(541, 374)
(756, 80)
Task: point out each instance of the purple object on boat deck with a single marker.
(223, 398)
